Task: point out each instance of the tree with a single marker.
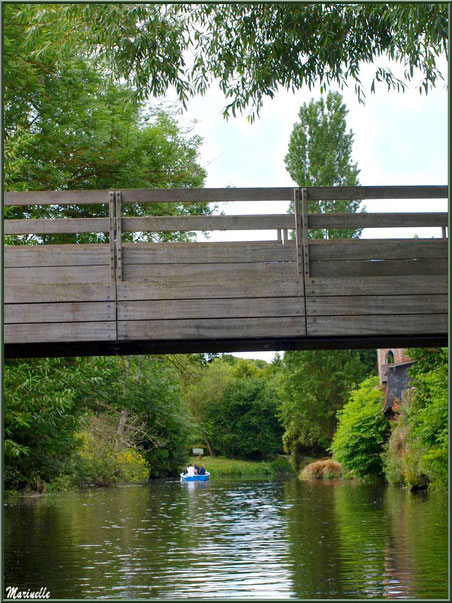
(69, 125)
(320, 154)
(208, 389)
(50, 402)
(428, 414)
(244, 421)
(315, 386)
(362, 431)
(250, 49)
(44, 402)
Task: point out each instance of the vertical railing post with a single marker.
(305, 237)
(299, 238)
(298, 232)
(111, 235)
(118, 203)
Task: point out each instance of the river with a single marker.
(277, 539)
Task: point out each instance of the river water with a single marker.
(276, 539)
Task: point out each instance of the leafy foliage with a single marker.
(52, 407)
(208, 389)
(320, 154)
(42, 412)
(69, 125)
(428, 414)
(234, 405)
(250, 49)
(362, 431)
(314, 386)
(244, 420)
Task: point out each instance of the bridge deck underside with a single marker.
(191, 297)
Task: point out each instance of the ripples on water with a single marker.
(231, 539)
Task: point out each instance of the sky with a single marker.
(399, 139)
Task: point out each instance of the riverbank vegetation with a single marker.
(221, 466)
(76, 118)
(83, 422)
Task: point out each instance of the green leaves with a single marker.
(314, 386)
(320, 154)
(362, 431)
(250, 49)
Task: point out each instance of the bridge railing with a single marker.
(261, 294)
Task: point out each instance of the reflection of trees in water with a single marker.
(416, 562)
(304, 539)
(362, 532)
(313, 533)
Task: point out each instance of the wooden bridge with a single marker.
(290, 293)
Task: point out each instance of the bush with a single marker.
(362, 431)
(281, 465)
(402, 457)
(244, 422)
(428, 418)
(417, 451)
(96, 461)
(131, 466)
(327, 469)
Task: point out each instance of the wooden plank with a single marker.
(209, 280)
(59, 226)
(60, 332)
(202, 281)
(211, 308)
(196, 195)
(16, 294)
(385, 285)
(305, 234)
(378, 304)
(415, 324)
(57, 275)
(60, 312)
(378, 249)
(211, 329)
(299, 235)
(112, 236)
(325, 193)
(118, 224)
(56, 197)
(378, 220)
(55, 255)
(201, 253)
(206, 223)
(379, 268)
(206, 195)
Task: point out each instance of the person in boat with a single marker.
(202, 470)
(196, 469)
(190, 470)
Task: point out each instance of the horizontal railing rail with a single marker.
(377, 220)
(56, 226)
(205, 223)
(280, 222)
(85, 197)
(207, 195)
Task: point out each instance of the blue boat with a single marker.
(184, 477)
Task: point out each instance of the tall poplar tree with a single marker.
(320, 154)
(316, 383)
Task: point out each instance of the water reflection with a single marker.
(231, 539)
